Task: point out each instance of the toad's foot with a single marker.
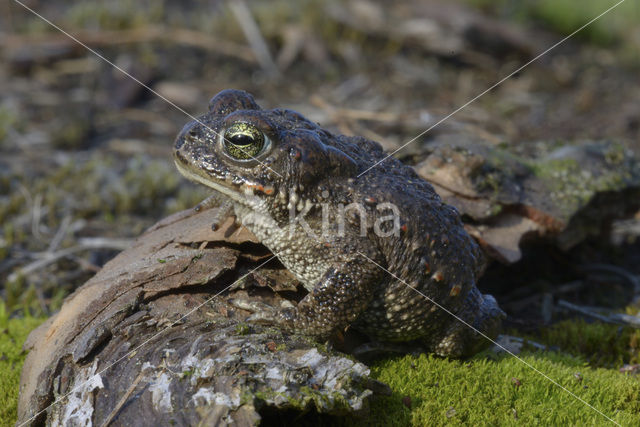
(213, 201)
(225, 209)
(480, 320)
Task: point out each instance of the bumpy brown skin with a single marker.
(306, 169)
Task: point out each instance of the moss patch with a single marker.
(7, 120)
(572, 185)
(600, 344)
(13, 333)
(432, 391)
(564, 17)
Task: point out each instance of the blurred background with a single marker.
(85, 151)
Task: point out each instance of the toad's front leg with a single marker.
(225, 209)
(343, 292)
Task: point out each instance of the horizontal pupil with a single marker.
(242, 140)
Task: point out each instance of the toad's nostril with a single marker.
(189, 131)
(179, 142)
(178, 156)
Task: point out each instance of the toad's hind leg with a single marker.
(459, 339)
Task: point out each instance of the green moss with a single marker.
(18, 293)
(12, 206)
(571, 186)
(554, 168)
(615, 154)
(486, 392)
(13, 333)
(72, 135)
(566, 16)
(7, 120)
(21, 296)
(441, 391)
(601, 345)
(114, 15)
(242, 329)
(494, 173)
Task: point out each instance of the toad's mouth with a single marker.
(197, 175)
(242, 192)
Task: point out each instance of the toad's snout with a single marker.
(189, 133)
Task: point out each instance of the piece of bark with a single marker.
(561, 193)
(148, 340)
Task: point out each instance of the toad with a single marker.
(379, 252)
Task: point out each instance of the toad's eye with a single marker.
(244, 141)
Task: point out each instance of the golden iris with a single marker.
(243, 141)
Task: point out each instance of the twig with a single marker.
(568, 287)
(626, 229)
(48, 258)
(84, 264)
(251, 31)
(353, 114)
(60, 234)
(615, 318)
(141, 35)
(516, 343)
(122, 400)
(36, 215)
(627, 277)
(105, 243)
(627, 319)
(26, 194)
